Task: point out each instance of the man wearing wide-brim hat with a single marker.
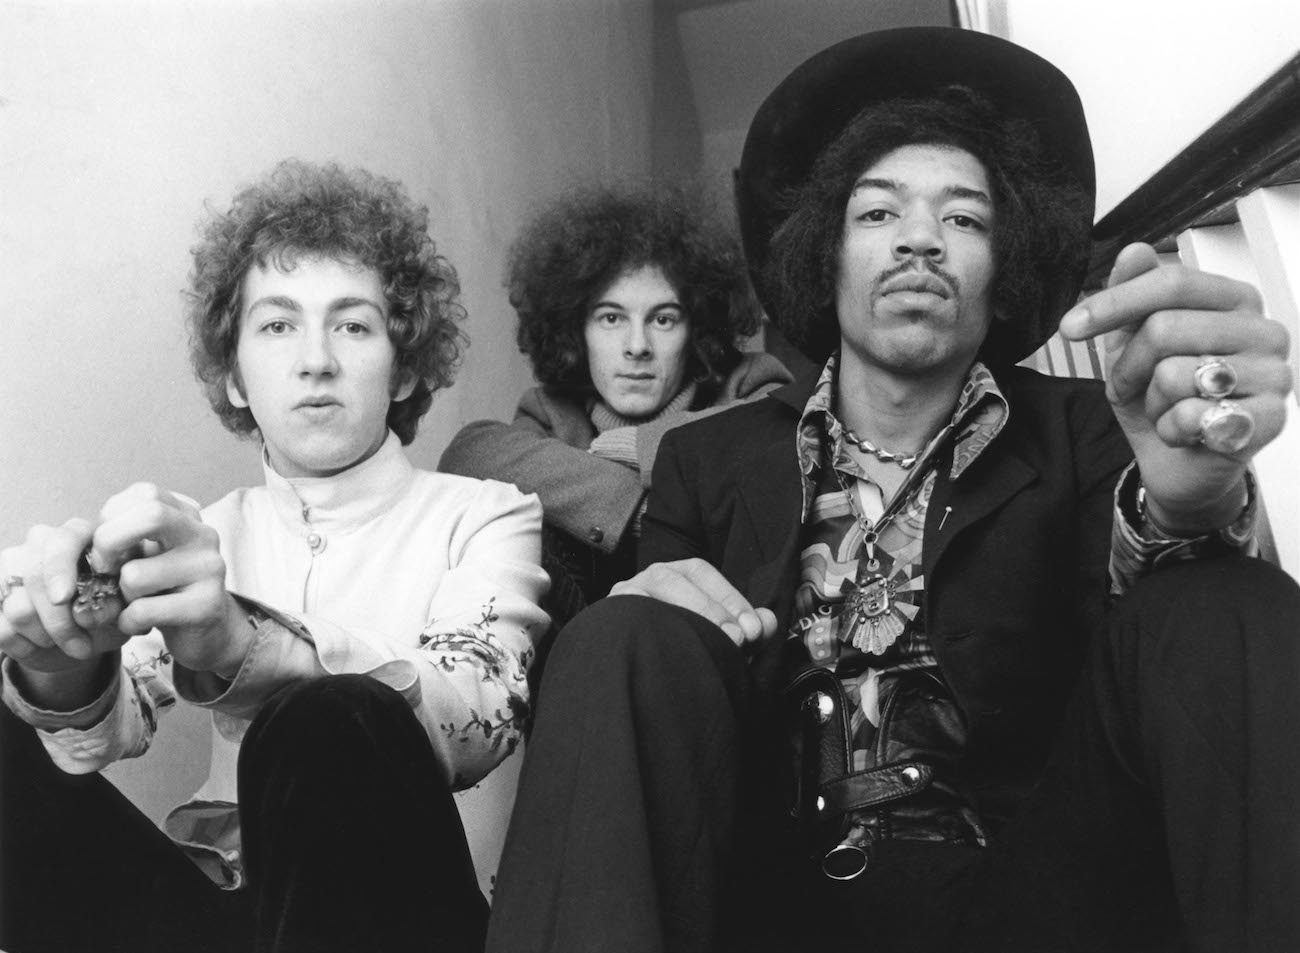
(932, 652)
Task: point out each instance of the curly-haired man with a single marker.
(631, 304)
(359, 630)
(930, 651)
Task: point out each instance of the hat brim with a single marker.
(814, 103)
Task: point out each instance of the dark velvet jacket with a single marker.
(1015, 552)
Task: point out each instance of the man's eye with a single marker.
(667, 319)
(875, 215)
(965, 221)
(608, 319)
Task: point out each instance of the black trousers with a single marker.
(1167, 818)
(352, 841)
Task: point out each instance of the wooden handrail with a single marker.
(1256, 144)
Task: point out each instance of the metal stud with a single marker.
(820, 706)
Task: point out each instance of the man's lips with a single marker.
(916, 282)
(315, 402)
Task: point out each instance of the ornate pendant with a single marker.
(868, 623)
(871, 597)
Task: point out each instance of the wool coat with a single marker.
(544, 451)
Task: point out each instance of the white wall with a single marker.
(119, 120)
(1154, 74)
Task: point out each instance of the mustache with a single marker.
(918, 266)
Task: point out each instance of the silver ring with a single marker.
(1215, 378)
(7, 585)
(1226, 428)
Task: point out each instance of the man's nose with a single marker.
(919, 236)
(317, 355)
(637, 343)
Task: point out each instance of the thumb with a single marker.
(1133, 260)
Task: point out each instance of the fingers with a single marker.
(142, 520)
(1183, 425)
(39, 613)
(1132, 261)
(42, 620)
(1174, 381)
(1143, 289)
(1256, 349)
(696, 585)
(177, 588)
(1162, 323)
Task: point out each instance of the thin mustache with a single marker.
(919, 265)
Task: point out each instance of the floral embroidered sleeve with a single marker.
(120, 723)
(483, 621)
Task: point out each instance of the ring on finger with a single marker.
(7, 585)
(1226, 427)
(1214, 378)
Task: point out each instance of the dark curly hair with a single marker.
(572, 250)
(1040, 238)
(302, 209)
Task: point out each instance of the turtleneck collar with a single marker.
(605, 417)
(345, 500)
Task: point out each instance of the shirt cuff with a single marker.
(282, 651)
(1138, 546)
(43, 719)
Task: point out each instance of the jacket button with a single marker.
(316, 541)
(911, 775)
(820, 707)
(595, 534)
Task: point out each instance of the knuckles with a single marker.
(1275, 338)
(1161, 325)
(36, 536)
(1170, 378)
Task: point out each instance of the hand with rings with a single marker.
(7, 585)
(56, 614)
(1197, 376)
(1225, 427)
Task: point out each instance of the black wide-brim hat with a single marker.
(812, 105)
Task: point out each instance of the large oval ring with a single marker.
(7, 585)
(1215, 378)
(1226, 428)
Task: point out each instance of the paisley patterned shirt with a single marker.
(858, 604)
(861, 617)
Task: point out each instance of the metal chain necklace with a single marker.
(904, 460)
(869, 598)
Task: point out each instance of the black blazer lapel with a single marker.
(997, 476)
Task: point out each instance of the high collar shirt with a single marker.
(428, 582)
